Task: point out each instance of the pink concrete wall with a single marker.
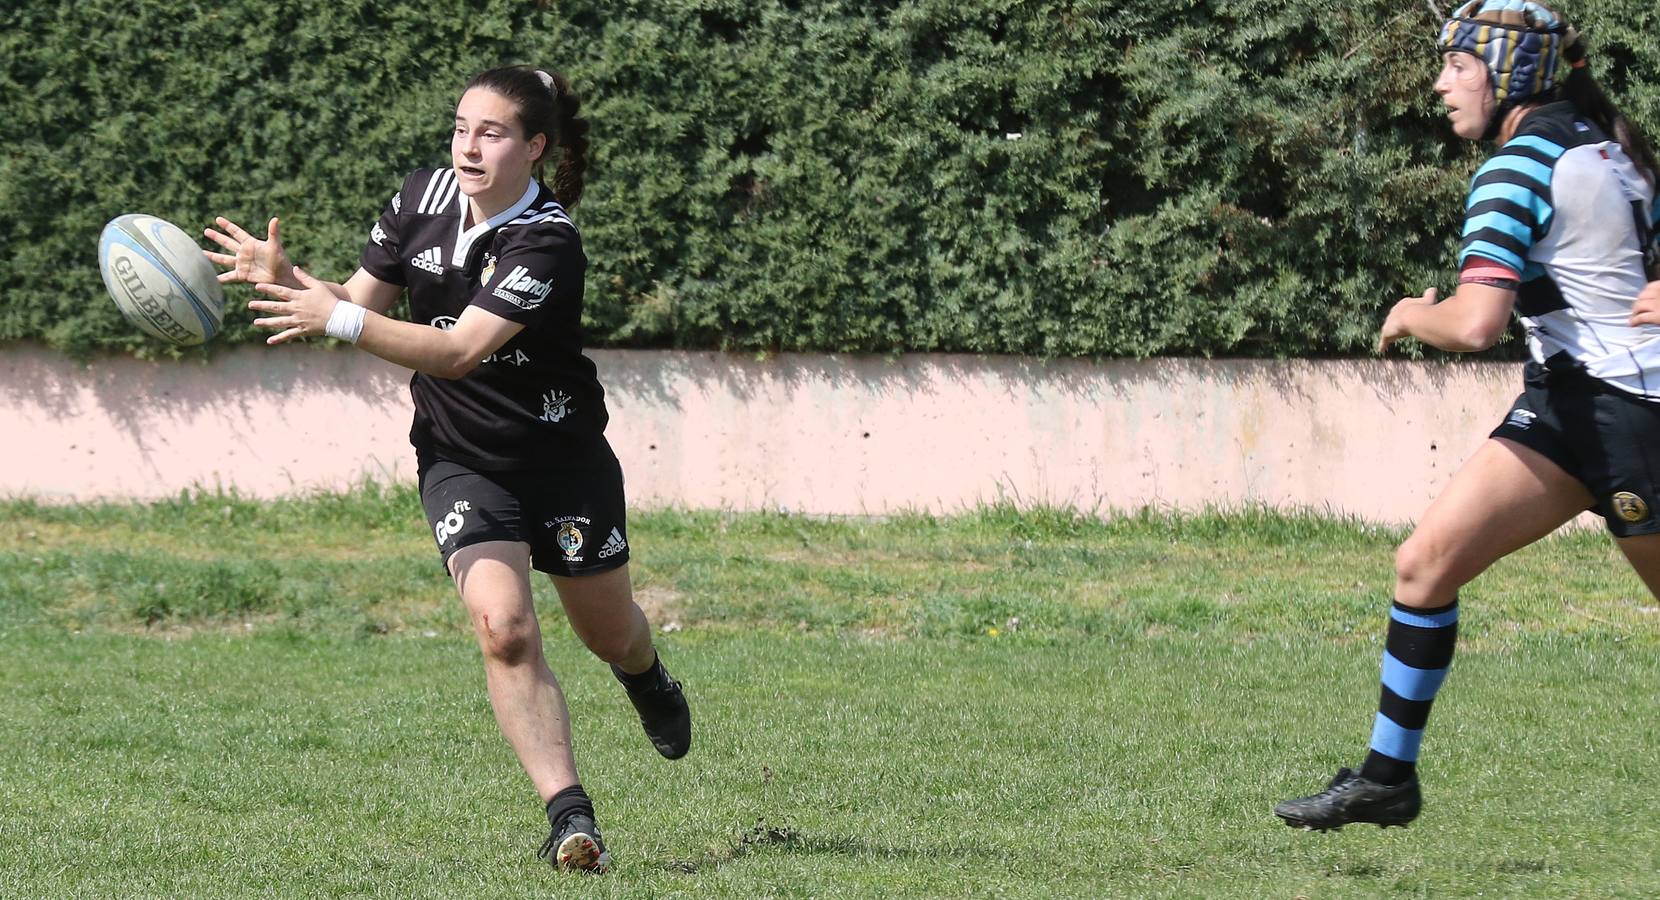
(809, 433)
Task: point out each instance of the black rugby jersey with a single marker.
(536, 400)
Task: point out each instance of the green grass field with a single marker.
(214, 697)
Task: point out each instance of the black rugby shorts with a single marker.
(572, 516)
(1605, 437)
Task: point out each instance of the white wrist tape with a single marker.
(345, 322)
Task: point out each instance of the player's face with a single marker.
(1464, 88)
(488, 148)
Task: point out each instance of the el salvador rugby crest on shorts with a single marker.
(535, 399)
(1629, 506)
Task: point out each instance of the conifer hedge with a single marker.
(1094, 177)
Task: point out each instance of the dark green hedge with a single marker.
(1100, 177)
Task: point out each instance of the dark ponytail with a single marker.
(548, 107)
(573, 145)
(1586, 95)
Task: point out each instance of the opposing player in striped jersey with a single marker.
(1559, 228)
(515, 471)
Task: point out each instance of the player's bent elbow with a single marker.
(459, 358)
(1479, 336)
(453, 369)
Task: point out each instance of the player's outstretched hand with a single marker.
(250, 260)
(1394, 327)
(294, 313)
(1646, 311)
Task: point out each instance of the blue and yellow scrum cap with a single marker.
(1522, 42)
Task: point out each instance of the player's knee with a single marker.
(1416, 562)
(1420, 569)
(509, 640)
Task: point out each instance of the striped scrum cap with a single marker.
(1520, 40)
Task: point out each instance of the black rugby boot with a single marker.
(575, 845)
(664, 714)
(1349, 799)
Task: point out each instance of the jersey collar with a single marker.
(464, 239)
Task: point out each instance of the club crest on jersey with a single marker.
(1629, 506)
(521, 290)
(489, 268)
(556, 405)
(429, 260)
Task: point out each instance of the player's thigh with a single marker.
(1505, 497)
(493, 579)
(601, 608)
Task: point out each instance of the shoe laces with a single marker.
(1344, 781)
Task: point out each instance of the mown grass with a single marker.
(215, 697)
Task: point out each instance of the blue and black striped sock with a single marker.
(1415, 659)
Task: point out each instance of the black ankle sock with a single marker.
(1386, 769)
(570, 800)
(643, 681)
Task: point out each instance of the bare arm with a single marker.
(1472, 319)
(442, 353)
(254, 260)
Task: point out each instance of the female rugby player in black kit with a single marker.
(515, 471)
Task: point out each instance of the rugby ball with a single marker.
(160, 279)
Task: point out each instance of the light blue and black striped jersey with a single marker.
(1562, 210)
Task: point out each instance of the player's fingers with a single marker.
(236, 231)
(223, 259)
(1431, 294)
(285, 336)
(220, 239)
(231, 277)
(271, 230)
(275, 290)
(305, 278)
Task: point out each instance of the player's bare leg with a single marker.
(602, 612)
(494, 581)
(1504, 498)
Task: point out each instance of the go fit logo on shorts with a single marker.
(452, 523)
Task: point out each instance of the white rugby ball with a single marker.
(160, 279)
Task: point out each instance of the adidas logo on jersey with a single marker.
(613, 545)
(521, 290)
(429, 260)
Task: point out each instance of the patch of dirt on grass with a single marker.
(660, 603)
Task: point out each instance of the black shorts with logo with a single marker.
(571, 516)
(1601, 435)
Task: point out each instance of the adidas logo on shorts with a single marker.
(429, 260)
(613, 545)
